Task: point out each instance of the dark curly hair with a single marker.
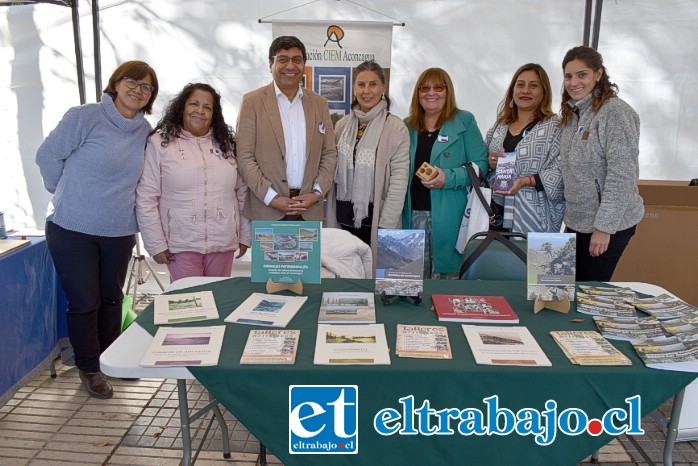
(603, 90)
(170, 125)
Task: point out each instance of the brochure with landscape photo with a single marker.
(286, 252)
(271, 347)
(267, 310)
(668, 353)
(185, 346)
(347, 308)
(551, 263)
(400, 262)
(505, 173)
(351, 345)
(423, 341)
(604, 305)
(504, 346)
(184, 307)
(616, 292)
(474, 309)
(634, 328)
(589, 348)
(663, 307)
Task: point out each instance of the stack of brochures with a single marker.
(633, 328)
(423, 341)
(589, 348)
(271, 347)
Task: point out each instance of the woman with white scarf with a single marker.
(373, 161)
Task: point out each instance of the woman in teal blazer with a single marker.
(446, 138)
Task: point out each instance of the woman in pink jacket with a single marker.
(190, 197)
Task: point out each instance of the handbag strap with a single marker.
(475, 183)
(492, 235)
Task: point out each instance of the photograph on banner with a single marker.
(286, 251)
(334, 49)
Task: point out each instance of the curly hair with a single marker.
(507, 115)
(170, 125)
(604, 88)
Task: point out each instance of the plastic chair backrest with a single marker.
(496, 261)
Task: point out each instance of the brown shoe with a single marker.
(96, 384)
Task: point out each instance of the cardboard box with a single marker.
(664, 250)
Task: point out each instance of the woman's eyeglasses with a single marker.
(132, 84)
(436, 87)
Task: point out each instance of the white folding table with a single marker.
(123, 357)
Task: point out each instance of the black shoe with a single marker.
(96, 384)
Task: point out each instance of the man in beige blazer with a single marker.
(285, 142)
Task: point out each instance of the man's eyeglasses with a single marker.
(132, 84)
(283, 59)
(436, 87)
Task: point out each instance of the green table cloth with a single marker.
(258, 395)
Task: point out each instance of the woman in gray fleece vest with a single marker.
(599, 148)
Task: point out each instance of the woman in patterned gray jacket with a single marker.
(527, 127)
(599, 150)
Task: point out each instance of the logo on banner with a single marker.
(323, 419)
(334, 34)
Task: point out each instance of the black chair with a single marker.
(494, 255)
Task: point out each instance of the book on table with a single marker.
(474, 309)
(550, 266)
(347, 308)
(400, 262)
(351, 345)
(589, 348)
(184, 307)
(272, 346)
(423, 341)
(504, 346)
(266, 310)
(185, 346)
(9, 245)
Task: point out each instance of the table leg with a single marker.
(184, 420)
(224, 431)
(672, 430)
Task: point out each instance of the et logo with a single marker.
(323, 419)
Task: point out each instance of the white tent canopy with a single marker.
(648, 48)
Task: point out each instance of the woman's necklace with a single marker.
(362, 128)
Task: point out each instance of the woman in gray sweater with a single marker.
(599, 149)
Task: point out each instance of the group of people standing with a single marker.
(191, 185)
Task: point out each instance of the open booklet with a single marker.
(504, 346)
(267, 309)
(184, 307)
(185, 346)
(351, 344)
